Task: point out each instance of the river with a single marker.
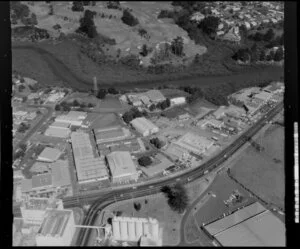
(70, 79)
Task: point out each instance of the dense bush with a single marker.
(77, 6)
(132, 114)
(101, 94)
(87, 25)
(166, 14)
(132, 61)
(19, 10)
(114, 5)
(177, 196)
(279, 54)
(144, 161)
(209, 24)
(137, 206)
(177, 46)
(23, 127)
(157, 143)
(112, 90)
(129, 19)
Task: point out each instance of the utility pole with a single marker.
(95, 85)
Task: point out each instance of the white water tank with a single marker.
(116, 230)
(139, 228)
(131, 230)
(124, 232)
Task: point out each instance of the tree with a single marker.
(57, 107)
(87, 25)
(75, 102)
(144, 161)
(262, 56)
(86, 3)
(90, 105)
(144, 50)
(21, 88)
(77, 6)
(101, 94)
(152, 107)
(112, 90)
(129, 19)
(142, 32)
(177, 197)
(156, 142)
(269, 35)
(51, 10)
(82, 105)
(137, 206)
(177, 46)
(209, 24)
(23, 147)
(113, 5)
(279, 54)
(127, 117)
(24, 99)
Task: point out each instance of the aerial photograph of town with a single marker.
(143, 123)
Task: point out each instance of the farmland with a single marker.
(263, 173)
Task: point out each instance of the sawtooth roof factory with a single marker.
(89, 168)
(251, 226)
(57, 228)
(111, 134)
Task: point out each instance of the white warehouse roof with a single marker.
(121, 164)
(49, 155)
(143, 125)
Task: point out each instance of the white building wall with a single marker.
(139, 229)
(33, 216)
(178, 101)
(131, 230)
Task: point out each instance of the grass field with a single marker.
(260, 172)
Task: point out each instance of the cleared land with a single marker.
(263, 173)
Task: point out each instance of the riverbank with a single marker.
(65, 66)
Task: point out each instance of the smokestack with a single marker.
(95, 85)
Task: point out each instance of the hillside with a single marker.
(109, 24)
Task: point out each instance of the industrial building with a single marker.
(220, 112)
(74, 118)
(111, 134)
(33, 210)
(178, 101)
(212, 122)
(122, 167)
(48, 184)
(251, 226)
(264, 96)
(194, 143)
(133, 229)
(144, 126)
(49, 155)
(89, 168)
(146, 98)
(57, 229)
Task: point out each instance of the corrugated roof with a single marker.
(143, 124)
(57, 132)
(60, 124)
(91, 168)
(155, 95)
(55, 222)
(232, 219)
(60, 173)
(49, 154)
(121, 163)
(42, 180)
(111, 134)
(264, 229)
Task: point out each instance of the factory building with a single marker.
(49, 155)
(144, 126)
(89, 168)
(213, 122)
(194, 143)
(122, 167)
(250, 226)
(220, 112)
(33, 210)
(146, 98)
(58, 129)
(133, 229)
(48, 184)
(111, 134)
(57, 229)
(74, 118)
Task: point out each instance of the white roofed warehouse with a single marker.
(49, 155)
(122, 167)
(144, 126)
(73, 118)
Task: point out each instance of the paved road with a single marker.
(37, 126)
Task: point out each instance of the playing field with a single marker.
(263, 172)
